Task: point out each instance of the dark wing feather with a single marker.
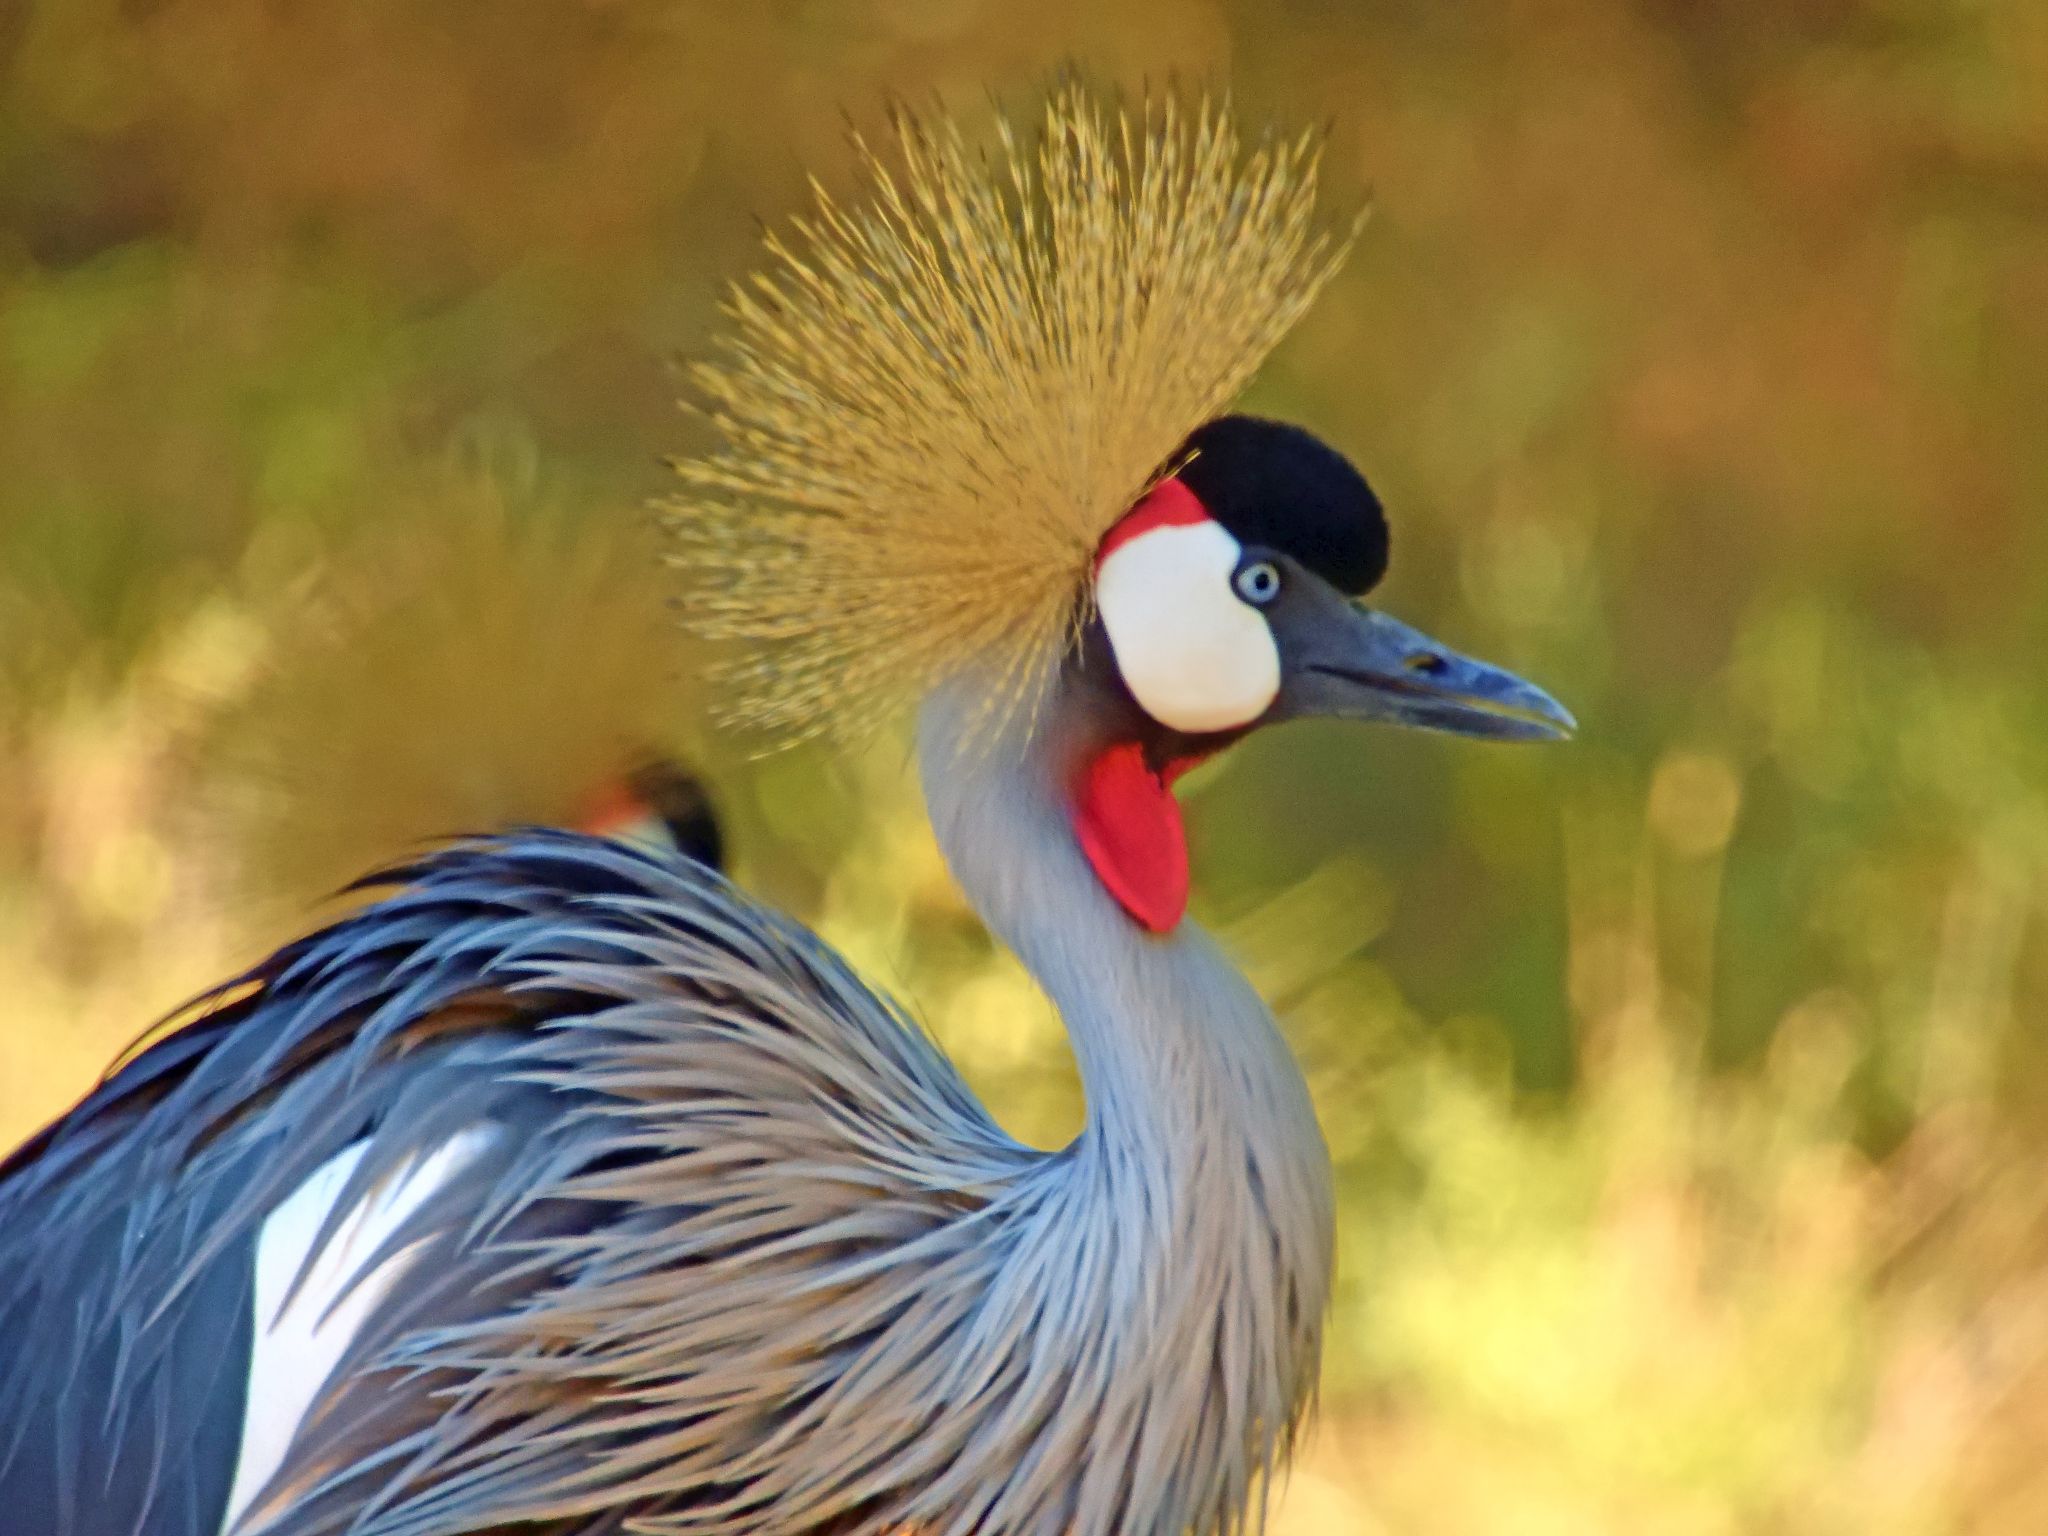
(128, 1229)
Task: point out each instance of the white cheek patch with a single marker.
(1194, 654)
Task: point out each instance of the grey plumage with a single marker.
(743, 1253)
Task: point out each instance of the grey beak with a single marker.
(1350, 662)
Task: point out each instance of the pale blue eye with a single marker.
(1258, 583)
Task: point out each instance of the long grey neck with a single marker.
(1185, 1238)
(1176, 1051)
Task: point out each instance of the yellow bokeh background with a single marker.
(1686, 1084)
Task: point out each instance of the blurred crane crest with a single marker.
(564, 1188)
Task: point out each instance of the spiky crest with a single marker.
(933, 404)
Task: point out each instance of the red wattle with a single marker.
(1129, 826)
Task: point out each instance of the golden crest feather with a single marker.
(933, 405)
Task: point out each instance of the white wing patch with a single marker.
(298, 1342)
(1195, 655)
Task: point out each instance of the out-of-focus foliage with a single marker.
(472, 669)
(1686, 1084)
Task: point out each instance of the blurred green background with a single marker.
(1687, 1084)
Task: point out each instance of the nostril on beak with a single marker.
(1427, 664)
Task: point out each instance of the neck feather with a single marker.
(1187, 1232)
(1190, 1086)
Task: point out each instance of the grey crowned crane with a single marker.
(563, 1188)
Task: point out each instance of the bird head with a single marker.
(978, 427)
(1231, 597)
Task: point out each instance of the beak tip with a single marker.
(1528, 713)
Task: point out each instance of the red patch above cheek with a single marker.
(1169, 504)
(1129, 826)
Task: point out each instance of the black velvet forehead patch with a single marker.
(1274, 484)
